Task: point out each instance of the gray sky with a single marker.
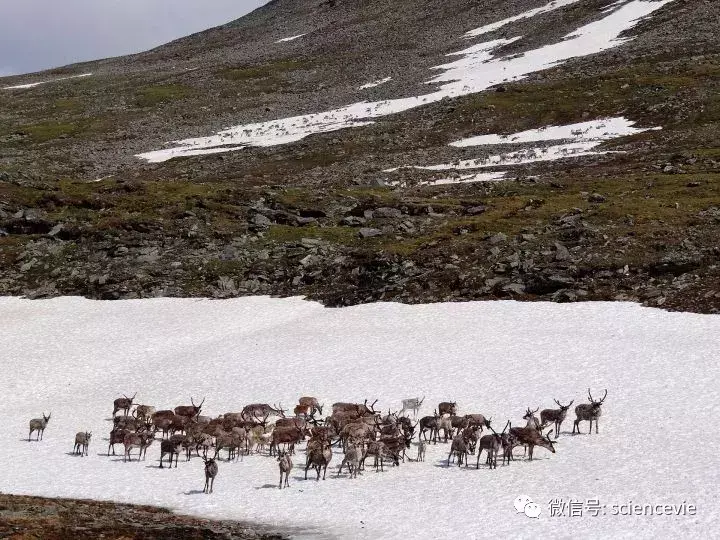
(40, 34)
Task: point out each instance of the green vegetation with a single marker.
(152, 96)
(271, 69)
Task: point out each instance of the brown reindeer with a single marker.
(459, 448)
(189, 411)
(312, 404)
(319, 456)
(255, 411)
(173, 447)
(144, 412)
(123, 404)
(289, 436)
(285, 464)
(556, 416)
(589, 411)
(447, 407)
(532, 437)
(117, 436)
(361, 410)
(137, 440)
(211, 470)
(82, 443)
(352, 459)
(39, 425)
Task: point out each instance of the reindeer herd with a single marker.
(359, 429)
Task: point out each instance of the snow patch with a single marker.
(552, 6)
(33, 85)
(375, 83)
(291, 38)
(599, 130)
(588, 135)
(476, 71)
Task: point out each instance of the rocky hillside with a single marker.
(321, 215)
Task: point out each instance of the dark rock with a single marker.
(475, 210)
(596, 198)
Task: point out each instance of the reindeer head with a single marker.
(596, 404)
(530, 413)
(564, 408)
(197, 408)
(546, 442)
(47, 418)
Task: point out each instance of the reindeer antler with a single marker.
(604, 396)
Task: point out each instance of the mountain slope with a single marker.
(285, 218)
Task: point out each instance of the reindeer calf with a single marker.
(285, 463)
(82, 442)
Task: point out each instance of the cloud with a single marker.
(40, 34)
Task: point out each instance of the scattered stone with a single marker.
(498, 238)
(353, 221)
(475, 210)
(261, 221)
(367, 232)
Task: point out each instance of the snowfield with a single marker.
(657, 443)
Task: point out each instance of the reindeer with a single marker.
(380, 450)
(358, 431)
(412, 404)
(533, 437)
(429, 423)
(318, 456)
(361, 410)
(189, 411)
(447, 407)
(123, 404)
(492, 443)
(289, 436)
(312, 404)
(173, 447)
(82, 442)
(285, 463)
(557, 416)
(144, 412)
(444, 423)
(127, 422)
(137, 440)
(211, 470)
(421, 451)
(459, 448)
(352, 459)
(117, 436)
(532, 420)
(39, 425)
(256, 410)
(478, 421)
(589, 411)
